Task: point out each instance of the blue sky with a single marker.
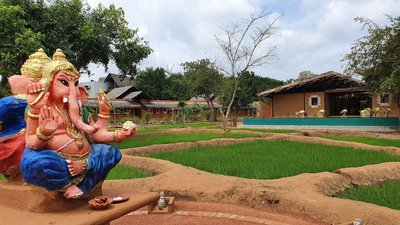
(312, 34)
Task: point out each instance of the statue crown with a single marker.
(33, 66)
(58, 63)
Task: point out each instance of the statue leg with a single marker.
(102, 159)
(45, 168)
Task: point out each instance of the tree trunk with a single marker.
(213, 112)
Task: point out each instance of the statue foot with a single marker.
(73, 192)
(76, 167)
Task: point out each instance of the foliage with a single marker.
(367, 140)
(204, 80)
(157, 83)
(305, 75)
(147, 117)
(176, 138)
(85, 35)
(383, 194)
(274, 159)
(179, 87)
(250, 84)
(376, 57)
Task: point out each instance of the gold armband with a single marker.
(32, 115)
(43, 137)
(103, 116)
(115, 136)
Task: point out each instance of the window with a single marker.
(384, 99)
(314, 101)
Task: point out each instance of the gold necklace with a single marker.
(75, 134)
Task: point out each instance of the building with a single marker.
(107, 83)
(331, 92)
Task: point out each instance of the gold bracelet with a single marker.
(32, 115)
(43, 137)
(103, 116)
(115, 136)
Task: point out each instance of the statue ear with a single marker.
(83, 93)
(19, 84)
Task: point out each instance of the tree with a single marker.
(178, 87)
(86, 35)
(305, 75)
(204, 81)
(244, 47)
(154, 82)
(250, 84)
(376, 57)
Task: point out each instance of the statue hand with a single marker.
(104, 105)
(126, 134)
(32, 92)
(48, 122)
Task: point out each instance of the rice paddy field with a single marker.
(125, 172)
(384, 194)
(273, 159)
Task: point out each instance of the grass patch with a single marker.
(385, 194)
(367, 140)
(273, 159)
(124, 172)
(265, 130)
(2, 177)
(175, 138)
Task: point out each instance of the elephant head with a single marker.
(61, 79)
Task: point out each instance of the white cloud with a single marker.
(313, 34)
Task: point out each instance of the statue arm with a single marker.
(104, 136)
(32, 123)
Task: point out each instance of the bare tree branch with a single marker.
(243, 46)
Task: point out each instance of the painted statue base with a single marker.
(24, 204)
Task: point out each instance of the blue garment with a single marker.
(12, 112)
(47, 169)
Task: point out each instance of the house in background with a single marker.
(127, 100)
(107, 83)
(330, 91)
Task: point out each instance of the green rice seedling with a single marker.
(384, 194)
(175, 138)
(367, 140)
(273, 159)
(125, 172)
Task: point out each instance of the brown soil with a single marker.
(304, 194)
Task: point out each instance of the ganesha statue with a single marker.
(66, 148)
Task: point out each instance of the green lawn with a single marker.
(175, 138)
(367, 140)
(124, 172)
(386, 194)
(274, 159)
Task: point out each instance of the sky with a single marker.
(312, 35)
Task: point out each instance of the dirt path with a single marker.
(305, 194)
(201, 213)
